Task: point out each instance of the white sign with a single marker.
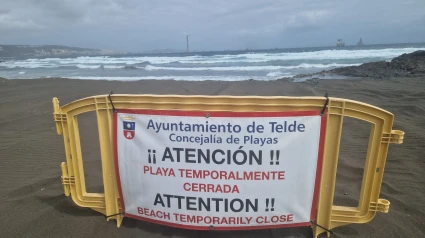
(220, 170)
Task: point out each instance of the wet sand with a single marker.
(32, 203)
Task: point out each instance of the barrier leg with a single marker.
(104, 121)
(65, 177)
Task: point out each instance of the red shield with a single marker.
(129, 134)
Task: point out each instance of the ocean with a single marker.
(198, 66)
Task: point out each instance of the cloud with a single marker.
(307, 19)
(220, 24)
(4, 11)
(8, 22)
(64, 9)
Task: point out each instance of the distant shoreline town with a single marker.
(58, 51)
(26, 51)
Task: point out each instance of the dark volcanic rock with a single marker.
(413, 62)
(405, 65)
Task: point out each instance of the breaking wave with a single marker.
(249, 68)
(205, 66)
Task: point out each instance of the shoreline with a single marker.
(183, 69)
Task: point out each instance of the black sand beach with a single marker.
(31, 194)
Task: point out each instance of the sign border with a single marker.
(322, 137)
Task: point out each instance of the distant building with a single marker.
(340, 43)
(60, 51)
(360, 43)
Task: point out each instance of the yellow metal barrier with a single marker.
(328, 215)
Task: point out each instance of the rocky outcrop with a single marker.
(405, 65)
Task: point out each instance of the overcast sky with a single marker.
(139, 25)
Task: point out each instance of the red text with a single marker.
(153, 213)
(210, 188)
